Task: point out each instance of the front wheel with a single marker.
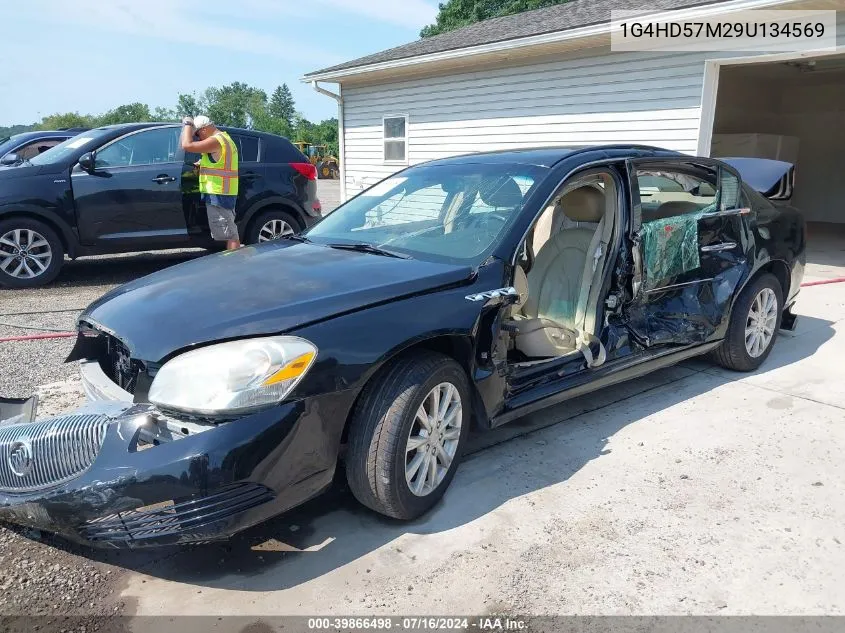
(755, 321)
(31, 253)
(407, 435)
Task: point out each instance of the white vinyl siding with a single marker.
(590, 99)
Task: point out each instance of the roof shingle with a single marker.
(561, 17)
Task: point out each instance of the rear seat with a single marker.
(674, 208)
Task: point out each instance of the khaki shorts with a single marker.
(222, 223)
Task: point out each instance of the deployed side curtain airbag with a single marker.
(670, 248)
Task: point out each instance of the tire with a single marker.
(257, 233)
(734, 352)
(46, 250)
(381, 428)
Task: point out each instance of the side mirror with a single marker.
(9, 159)
(86, 161)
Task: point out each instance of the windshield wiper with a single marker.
(297, 238)
(362, 247)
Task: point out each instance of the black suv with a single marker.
(131, 187)
(21, 147)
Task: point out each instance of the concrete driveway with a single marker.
(695, 490)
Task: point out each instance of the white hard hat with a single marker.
(201, 121)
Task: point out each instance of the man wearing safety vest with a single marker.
(218, 175)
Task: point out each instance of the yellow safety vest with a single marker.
(220, 177)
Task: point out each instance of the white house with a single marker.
(549, 77)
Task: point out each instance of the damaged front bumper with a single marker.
(118, 474)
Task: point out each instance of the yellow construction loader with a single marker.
(318, 155)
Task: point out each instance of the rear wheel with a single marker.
(272, 225)
(754, 325)
(31, 253)
(407, 435)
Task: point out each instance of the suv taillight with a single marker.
(306, 169)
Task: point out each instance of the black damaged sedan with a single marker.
(461, 293)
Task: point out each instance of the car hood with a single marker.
(257, 290)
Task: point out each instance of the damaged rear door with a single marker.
(690, 249)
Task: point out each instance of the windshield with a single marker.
(451, 213)
(62, 151)
(7, 143)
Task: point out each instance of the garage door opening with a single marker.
(792, 111)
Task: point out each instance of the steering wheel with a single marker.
(482, 219)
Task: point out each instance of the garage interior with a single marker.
(792, 111)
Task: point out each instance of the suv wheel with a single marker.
(271, 225)
(407, 434)
(754, 325)
(31, 254)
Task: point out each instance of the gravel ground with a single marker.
(26, 365)
(41, 575)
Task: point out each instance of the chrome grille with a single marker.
(49, 452)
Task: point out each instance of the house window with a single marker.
(395, 129)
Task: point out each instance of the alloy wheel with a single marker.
(24, 254)
(273, 230)
(433, 439)
(760, 325)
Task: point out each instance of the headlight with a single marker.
(233, 377)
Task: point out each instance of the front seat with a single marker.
(503, 193)
(552, 320)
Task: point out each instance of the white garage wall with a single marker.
(808, 106)
(594, 98)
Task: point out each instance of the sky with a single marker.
(92, 55)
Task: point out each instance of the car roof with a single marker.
(131, 127)
(25, 136)
(548, 156)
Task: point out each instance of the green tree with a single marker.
(190, 105)
(303, 129)
(326, 134)
(282, 106)
(67, 119)
(130, 113)
(165, 115)
(456, 14)
(237, 104)
(16, 129)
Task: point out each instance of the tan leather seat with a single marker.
(554, 282)
(552, 314)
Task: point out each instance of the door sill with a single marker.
(604, 376)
